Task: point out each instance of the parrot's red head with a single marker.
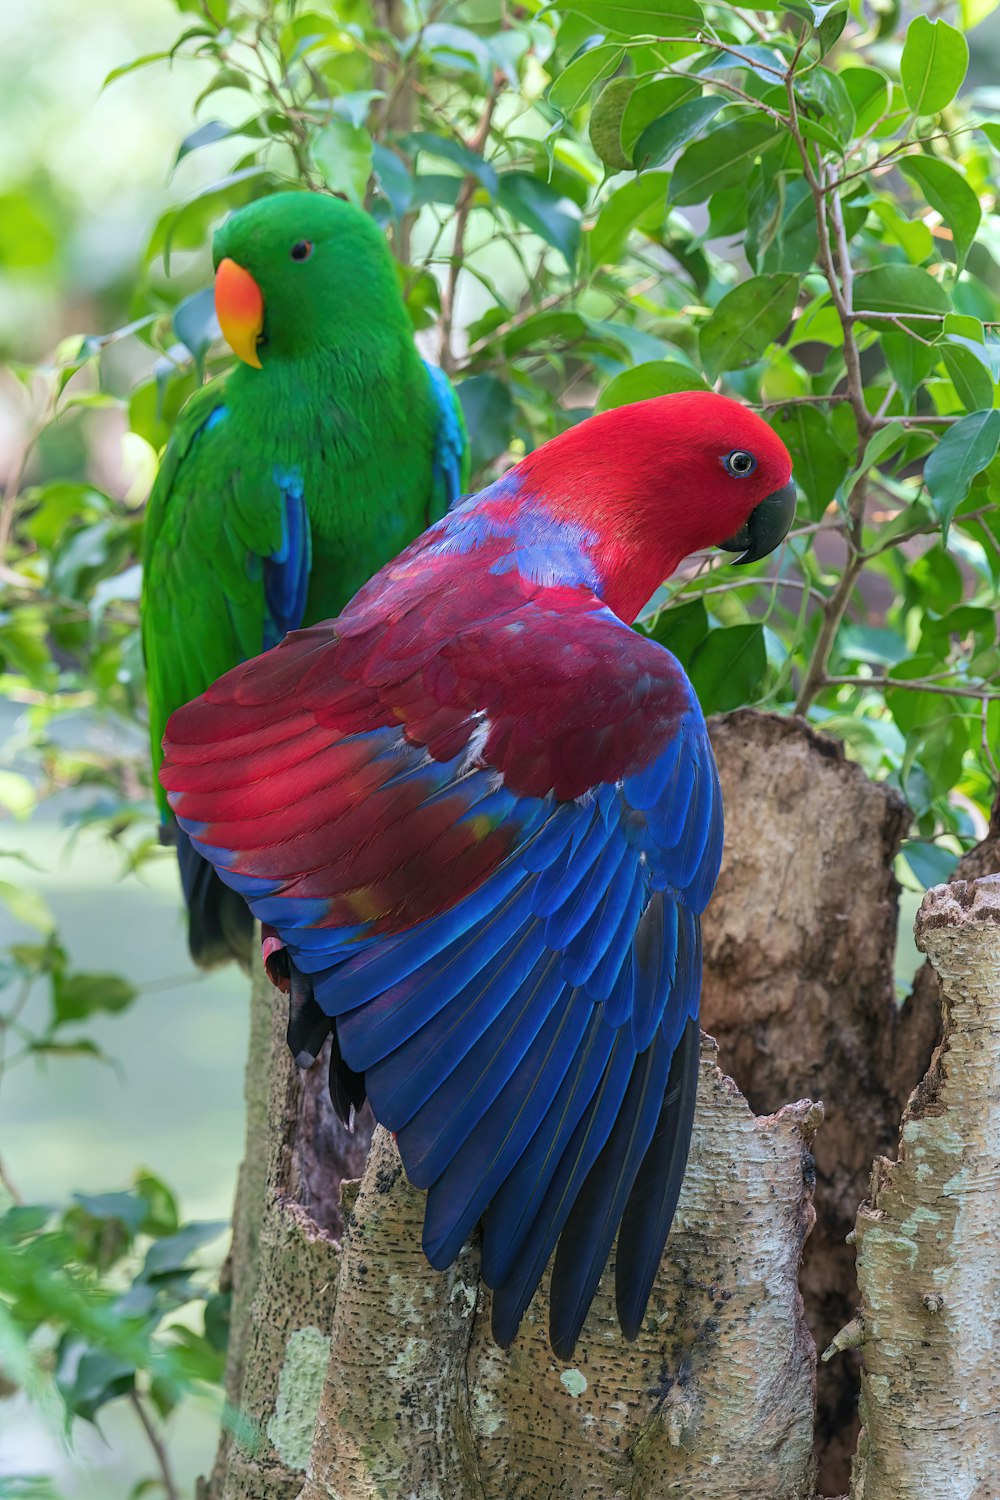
(661, 479)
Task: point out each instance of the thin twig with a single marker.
(477, 143)
(917, 685)
(162, 1457)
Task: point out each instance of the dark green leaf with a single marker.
(577, 79)
(910, 361)
(681, 628)
(641, 17)
(671, 131)
(899, 290)
(934, 63)
(606, 123)
(489, 417)
(635, 203)
(946, 189)
(729, 667)
(722, 159)
(826, 93)
(747, 319)
(972, 380)
(819, 463)
(964, 451)
(544, 210)
(648, 103)
(657, 378)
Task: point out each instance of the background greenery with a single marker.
(590, 205)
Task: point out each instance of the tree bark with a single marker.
(714, 1399)
(928, 1255)
(799, 991)
(283, 1264)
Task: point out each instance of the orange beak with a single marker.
(239, 306)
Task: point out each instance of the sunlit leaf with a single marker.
(657, 378)
(933, 65)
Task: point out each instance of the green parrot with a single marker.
(289, 480)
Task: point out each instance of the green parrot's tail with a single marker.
(220, 925)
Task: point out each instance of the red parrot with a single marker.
(483, 817)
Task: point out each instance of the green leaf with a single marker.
(131, 67)
(910, 361)
(174, 1251)
(343, 154)
(205, 135)
(946, 189)
(819, 463)
(729, 667)
(933, 66)
(930, 863)
(747, 319)
(544, 210)
(827, 94)
(681, 628)
(634, 203)
(27, 905)
(991, 130)
(489, 417)
(900, 290)
(722, 159)
(974, 11)
(965, 451)
(972, 380)
(606, 123)
(658, 18)
(77, 996)
(868, 91)
(577, 79)
(195, 323)
(659, 141)
(657, 378)
(649, 102)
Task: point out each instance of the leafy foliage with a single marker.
(590, 205)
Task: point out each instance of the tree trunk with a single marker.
(927, 1247)
(714, 1399)
(799, 991)
(410, 1397)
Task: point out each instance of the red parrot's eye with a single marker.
(301, 250)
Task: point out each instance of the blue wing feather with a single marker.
(450, 445)
(520, 1041)
(286, 570)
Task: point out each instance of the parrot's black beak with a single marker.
(766, 527)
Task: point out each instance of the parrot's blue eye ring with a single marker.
(301, 250)
(739, 463)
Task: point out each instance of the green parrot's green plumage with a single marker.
(288, 481)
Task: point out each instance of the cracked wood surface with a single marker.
(927, 1244)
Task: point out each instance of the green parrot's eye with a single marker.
(301, 250)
